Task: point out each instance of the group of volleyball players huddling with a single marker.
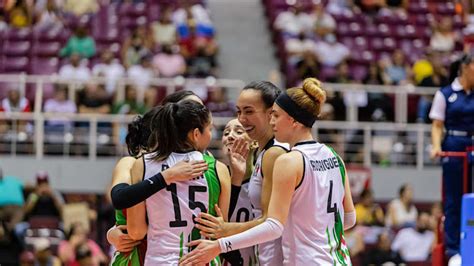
(278, 198)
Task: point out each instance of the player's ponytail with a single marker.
(139, 132)
(171, 125)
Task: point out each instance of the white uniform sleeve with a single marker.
(438, 109)
(267, 231)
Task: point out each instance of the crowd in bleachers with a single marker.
(36, 226)
(402, 234)
(370, 42)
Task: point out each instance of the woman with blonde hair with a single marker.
(311, 203)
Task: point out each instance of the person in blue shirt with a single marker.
(11, 203)
(452, 114)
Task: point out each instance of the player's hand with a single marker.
(210, 226)
(205, 251)
(121, 241)
(435, 152)
(184, 171)
(238, 159)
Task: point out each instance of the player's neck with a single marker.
(302, 136)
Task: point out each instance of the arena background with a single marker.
(378, 123)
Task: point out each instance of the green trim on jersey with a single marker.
(120, 218)
(342, 169)
(181, 245)
(131, 258)
(213, 183)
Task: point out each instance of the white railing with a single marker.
(363, 143)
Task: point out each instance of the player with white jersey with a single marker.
(311, 203)
(183, 131)
(254, 107)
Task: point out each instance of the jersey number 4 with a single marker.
(192, 203)
(333, 208)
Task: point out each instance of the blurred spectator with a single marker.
(129, 106)
(370, 7)
(11, 204)
(44, 201)
(307, 67)
(368, 213)
(379, 106)
(15, 103)
(78, 243)
(134, 48)
(401, 212)
(110, 69)
(49, 16)
(61, 105)
(191, 14)
(3, 22)
(169, 63)
(202, 63)
(330, 52)
(338, 7)
(296, 47)
(75, 70)
(322, 21)
(415, 244)
(354, 241)
(443, 38)
(141, 76)
(43, 253)
(81, 7)
(397, 71)
(219, 104)
(192, 42)
(422, 68)
(80, 43)
(163, 30)
(93, 99)
(436, 214)
(20, 14)
(438, 79)
(293, 21)
(382, 253)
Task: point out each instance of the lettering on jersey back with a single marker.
(324, 164)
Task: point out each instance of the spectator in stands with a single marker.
(202, 63)
(401, 212)
(323, 22)
(20, 14)
(43, 253)
(129, 106)
(169, 63)
(439, 78)
(11, 204)
(307, 67)
(382, 253)
(3, 22)
(134, 48)
(397, 70)
(443, 38)
(142, 76)
(368, 213)
(163, 30)
(370, 7)
(77, 240)
(81, 7)
(44, 201)
(81, 43)
(192, 42)
(84, 256)
(110, 69)
(436, 214)
(293, 21)
(296, 47)
(338, 7)
(75, 70)
(219, 104)
(330, 52)
(93, 99)
(415, 244)
(61, 105)
(192, 14)
(15, 103)
(50, 16)
(379, 106)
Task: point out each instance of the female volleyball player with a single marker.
(254, 107)
(131, 252)
(180, 131)
(310, 195)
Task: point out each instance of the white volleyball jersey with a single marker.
(314, 231)
(171, 211)
(242, 213)
(269, 253)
